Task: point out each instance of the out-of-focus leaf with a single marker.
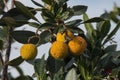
(112, 33)
(1, 44)
(111, 48)
(71, 75)
(46, 26)
(22, 36)
(23, 78)
(105, 28)
(95, 19)
(79, 9)
(34, 24)
(74, 23)
(15, 62)
(47, 1)
(2, 35)
(89, 28)
(39, 67)
(45, 37)
(36, 3)
(114, 17)
(24, 10)
(20, 71)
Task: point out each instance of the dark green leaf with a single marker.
(45, 37)
(74, 23)
(20, 71)
(3, 35)
(112, 33)
(114, 17)
(95, 19)
(79, 9)
(23, 78)
(46, 26)
(22, 36)
(111, 48)
(15, 62)
(34, 24)
(24, 10)
(1, 44)
(105, 28)
(36, 3)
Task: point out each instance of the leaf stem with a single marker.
(7, 55)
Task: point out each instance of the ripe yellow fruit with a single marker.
(77, 45)
(61, 36)
(59, 50)
(28, 51)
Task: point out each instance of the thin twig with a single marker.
(1, 59)
(5, 3)
(7, 55)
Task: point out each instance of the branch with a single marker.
(7, 55)
(1, 59)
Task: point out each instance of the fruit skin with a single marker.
(77, 45)
(62, 36)
(28, 51)
(59, 50)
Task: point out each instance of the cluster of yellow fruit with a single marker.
(66, 42)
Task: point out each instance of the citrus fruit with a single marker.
(28, 51)
(77, 45)
(61, 36)
(59, 50)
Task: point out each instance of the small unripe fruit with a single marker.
(28, 51)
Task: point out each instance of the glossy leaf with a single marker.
(79, 9)
(15, 62)
(24, 10)
(74, 23)
(46, 26)
(22, 36)
(112, 33)
(95, 19)
(45, 37)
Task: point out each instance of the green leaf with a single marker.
(112, 33)
(111, 48)
(15, 62)
(89, 28)
(22, 36)
(1, 44)
(20, 71)
(46, 26)
(23, 78)
(24, 10)
(36, 3)
(47, 1)
(45, 36)
(95, 19)
(74, 23)
(3, 35)
(105, 28)
(71, 75)
(34, 24)
(39, 67)
(114, 17)
(79, 9)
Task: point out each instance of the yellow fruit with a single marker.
(77, 45)
(61, 36)
(59, 50)
(70, 34)
(28, 51)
